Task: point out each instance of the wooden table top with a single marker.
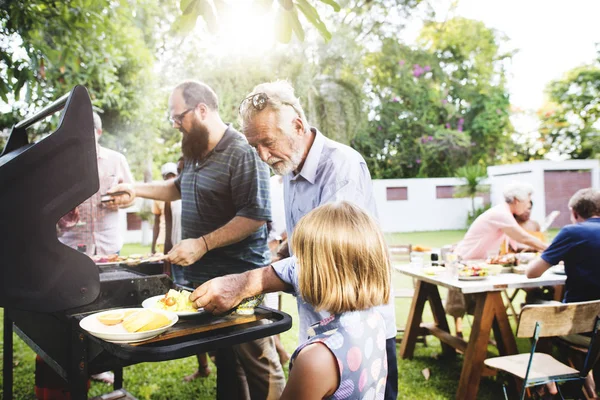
(490, 284)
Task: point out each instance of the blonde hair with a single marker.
(343, 258)
(280, 93)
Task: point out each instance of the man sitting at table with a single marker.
(578, 245)
(487, 233)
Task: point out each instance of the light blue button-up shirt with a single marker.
(331, 172)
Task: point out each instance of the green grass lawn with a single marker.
(164, 380)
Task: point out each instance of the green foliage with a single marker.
(107, 46)
(437, 107)
(570, 124)
(473, 215)
(473, 176)
(286, 19)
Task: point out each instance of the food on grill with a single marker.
(108, 258)
(176, 302)
(111, 318)
(133, 259)
(473, 270)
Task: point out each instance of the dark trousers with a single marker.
(391, 386)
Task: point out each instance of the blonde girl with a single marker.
(345, 270)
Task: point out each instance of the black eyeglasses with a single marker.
(258, 100)
(179, 118)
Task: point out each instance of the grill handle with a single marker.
(44, 112)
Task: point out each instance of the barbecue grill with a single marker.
(47, 287)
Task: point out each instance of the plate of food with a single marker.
(473, 272)
(128, 325)
(507, 260)
(177, 302)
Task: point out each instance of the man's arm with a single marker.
(191, 250)
(165, 191)
(221, 294)
(537, 267)
(521, 236)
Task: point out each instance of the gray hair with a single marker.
(586, 203)
(97, 121)
(280, 93)
(195, 93)
(517, 191)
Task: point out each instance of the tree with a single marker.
(473, 175)
(47, 47)
(287, 16)
(570, 122)
(437, 107)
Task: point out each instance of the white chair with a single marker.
(537, 321)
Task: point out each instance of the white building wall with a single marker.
(533, 172)
(422, 211)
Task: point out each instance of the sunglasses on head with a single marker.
(258, 101)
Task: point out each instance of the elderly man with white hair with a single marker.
(487, 233)
(490, 229)
(316, 170)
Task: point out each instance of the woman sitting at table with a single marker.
(487, 233)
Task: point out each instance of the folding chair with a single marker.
(538, 321)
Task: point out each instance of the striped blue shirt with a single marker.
(230, 181)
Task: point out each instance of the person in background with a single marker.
(316, 170)
(162, 232)
(224, 192)
(93, 226)
(578, 246)
(95, 229)
(344, 269)
(486, 235)
(175, 217)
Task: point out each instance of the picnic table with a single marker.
(490, 313)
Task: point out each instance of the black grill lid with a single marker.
(39, 183)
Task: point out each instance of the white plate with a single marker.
(118, 334)
(151, 304)
(558, 269)
(471, 278)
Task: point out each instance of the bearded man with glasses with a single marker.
(225, 202)
(316, 170)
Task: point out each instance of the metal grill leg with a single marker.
(7, 373)
(118, 383)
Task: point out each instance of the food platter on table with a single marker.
(473, 272)
(128, 325)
